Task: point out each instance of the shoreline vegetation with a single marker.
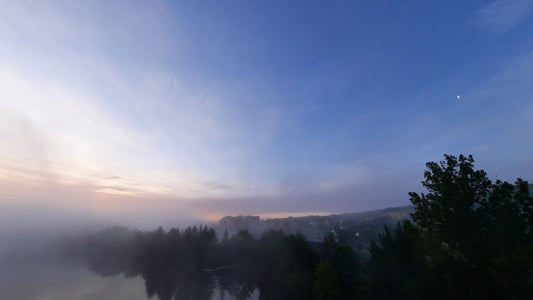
(466, 238)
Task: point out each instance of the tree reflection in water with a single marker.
(173, 264)
(193, 264)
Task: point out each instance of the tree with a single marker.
(326, 283)
(394, 269)
(474, 232)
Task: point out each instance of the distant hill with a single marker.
(357, 229)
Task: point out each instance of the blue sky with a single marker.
(202, 109)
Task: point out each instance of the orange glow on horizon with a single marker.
(214, 217)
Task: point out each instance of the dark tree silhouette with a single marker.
(475, 233)
(326, 282)
(395, 270)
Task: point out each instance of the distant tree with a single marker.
(345, 264)
(394, 269)
(348, 268)
(326, 283)
(328, 246)
(268, 268)
(297, 263)
(109, 251)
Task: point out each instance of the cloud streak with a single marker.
(501, 16)
(164, 109)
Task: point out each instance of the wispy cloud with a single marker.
(502, 15)
(124, 107)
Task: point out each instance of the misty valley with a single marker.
(467, 238)
(194, 263)
(241, 257)
(266, 150)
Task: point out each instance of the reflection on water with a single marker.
(58, 281)
(119, 263)
(171, 283)
(173, 265)
(48, 280)
(35, 273)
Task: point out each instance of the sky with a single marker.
(192, 110)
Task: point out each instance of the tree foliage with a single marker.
(326, 282)
(474, 232)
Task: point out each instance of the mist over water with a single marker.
(38, 263)
(34, 263)
(57, 280)
(49, 253)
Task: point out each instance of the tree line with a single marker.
(469, 238)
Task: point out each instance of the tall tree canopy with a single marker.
(474, 232)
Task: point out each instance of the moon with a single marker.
(458, 97)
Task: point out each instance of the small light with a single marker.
(458, 96)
